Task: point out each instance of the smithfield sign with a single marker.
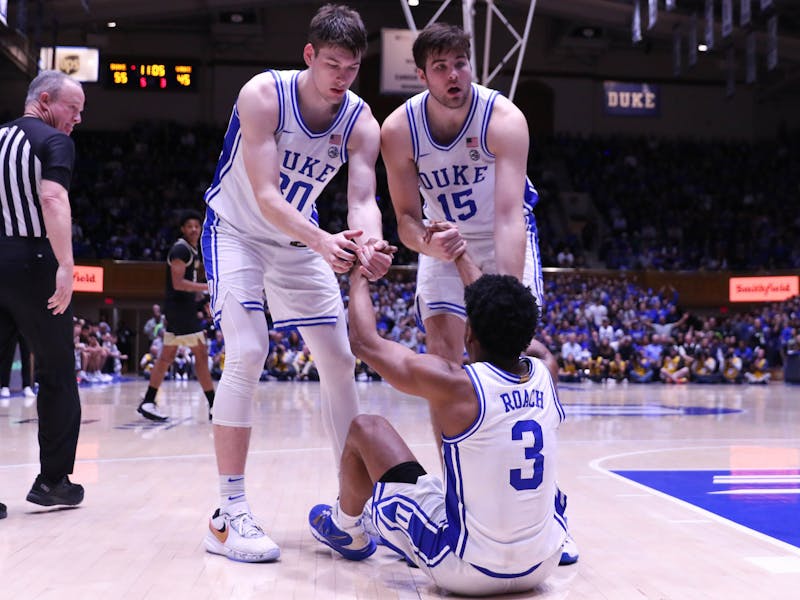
(87, 279)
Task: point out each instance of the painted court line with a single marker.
(596, 465)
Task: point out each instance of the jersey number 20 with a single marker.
(534, 453)
(290, 193)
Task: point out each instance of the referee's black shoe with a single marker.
(63, 492)
(3, 512)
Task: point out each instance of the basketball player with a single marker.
(289, 133)
(497, 525)
(464, 148)
(180, 308)
(36, 269)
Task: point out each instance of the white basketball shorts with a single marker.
(300, 287)
(439, 287)
(412, 519)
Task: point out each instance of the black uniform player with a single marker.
(183, 328)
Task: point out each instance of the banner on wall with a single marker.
(398, 71)
(710, 24)
(772, 42)
(87, 279)
(744, 14)
(631, 99)
(636, 23)
(750, 58)
(727, 18)
(652, 14)
(763, 289)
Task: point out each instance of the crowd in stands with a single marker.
(97, 354)
(602, 328)
(679, 204)
(128, 187)
(665, 204)
(662, 204)
(598, 328)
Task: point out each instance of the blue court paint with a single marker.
(643, 410)
(767, 501)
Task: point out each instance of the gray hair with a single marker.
(47, 81)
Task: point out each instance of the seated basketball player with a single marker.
(498, 418)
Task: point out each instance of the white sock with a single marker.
(351, 525)
(343, 520)
(231, 492)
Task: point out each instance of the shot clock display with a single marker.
(150, 74)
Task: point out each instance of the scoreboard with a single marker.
(150, 74)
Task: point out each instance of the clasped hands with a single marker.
(371, 258)
(443, 240)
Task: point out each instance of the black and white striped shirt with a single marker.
(30, 150)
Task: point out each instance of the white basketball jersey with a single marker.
(457, 180)
(501, 472)
(308, 161)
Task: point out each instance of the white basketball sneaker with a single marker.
(240, 538)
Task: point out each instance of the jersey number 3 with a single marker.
(534, 453)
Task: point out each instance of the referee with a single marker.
(36, 265)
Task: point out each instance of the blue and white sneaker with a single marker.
(569, 552)
(324, 529)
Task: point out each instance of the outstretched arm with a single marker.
(426, 375)
(507, 137)
(401, 173)
(467, 269)
(469, 272)
(375, 253)
(538, 350)
(258, 114)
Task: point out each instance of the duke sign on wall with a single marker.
(631, 99)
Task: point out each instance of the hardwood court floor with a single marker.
(626, 453)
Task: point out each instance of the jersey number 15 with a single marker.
(461, 202)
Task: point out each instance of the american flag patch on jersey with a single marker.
(472, 142)
(336, 138)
